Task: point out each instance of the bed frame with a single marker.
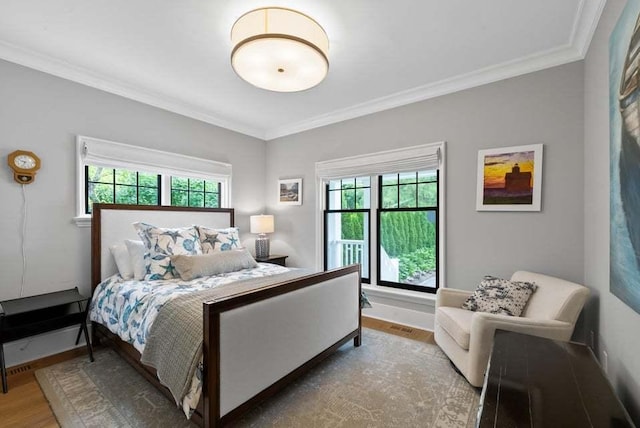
(255, 343)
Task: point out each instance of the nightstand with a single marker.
(273, 259)
(28, 316)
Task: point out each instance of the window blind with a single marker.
(416, 158)
(93, 151)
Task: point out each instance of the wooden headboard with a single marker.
(112, 224)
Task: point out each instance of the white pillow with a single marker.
(136, 256)
(123, 261)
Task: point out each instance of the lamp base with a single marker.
(262, 247)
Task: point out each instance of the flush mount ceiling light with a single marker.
(279, 50)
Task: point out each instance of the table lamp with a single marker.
(262, 224)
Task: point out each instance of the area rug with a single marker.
(390, 381)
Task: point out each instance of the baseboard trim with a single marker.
(399, 315)
(403, 298)
(49, 360)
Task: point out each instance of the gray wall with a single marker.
(615, 324)
(543, 107)
(565, 108)
(42, 113)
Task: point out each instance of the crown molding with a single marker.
(85, 77)
(481, 77)
(584, 27)
(585, 24)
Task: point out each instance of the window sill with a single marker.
(416, 297)
(82, 221)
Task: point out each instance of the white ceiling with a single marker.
(174, 54)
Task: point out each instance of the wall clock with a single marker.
(24, 165)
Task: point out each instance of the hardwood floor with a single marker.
(399, 330)
(25, 405)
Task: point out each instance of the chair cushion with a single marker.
(456, 322)
(500, 296)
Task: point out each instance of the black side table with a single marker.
(28, 316)
(275, 259)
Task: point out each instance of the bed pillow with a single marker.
(136, 250)
(192, 267)
(162, 243)
(500, 296)
(122, 259)
(213, 240)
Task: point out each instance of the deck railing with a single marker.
(352, 251)
(349, 251)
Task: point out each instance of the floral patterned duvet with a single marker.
(128, 308)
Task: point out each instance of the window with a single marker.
(386, 215)
(110, 172)
(347, 224)
(408, 230)
(189, 192)
(120, 186)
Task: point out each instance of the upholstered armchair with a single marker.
(466, 337)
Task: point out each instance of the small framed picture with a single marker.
(290, 191)
(510, 178)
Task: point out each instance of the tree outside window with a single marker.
(120, 186)
(406, 227)
(189, 192)
(407, 230)
(347, 224)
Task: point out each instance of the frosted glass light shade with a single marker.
(279, 50)
(261, 223)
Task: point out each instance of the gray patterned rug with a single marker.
(389, 381)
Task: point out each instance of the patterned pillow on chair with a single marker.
(500, 296)
(161, 244)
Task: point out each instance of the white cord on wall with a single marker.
(24, 238)
(24, 256)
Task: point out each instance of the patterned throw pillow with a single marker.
(500, 296)
(161, 244)
(218, 239)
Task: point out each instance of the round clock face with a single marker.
(24, 162)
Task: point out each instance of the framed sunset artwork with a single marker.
(510, 178)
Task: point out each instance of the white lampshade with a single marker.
(279, 50)
(261, 224)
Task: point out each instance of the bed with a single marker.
(254, 342)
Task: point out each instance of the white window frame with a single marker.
(409, 159)
(109, 154)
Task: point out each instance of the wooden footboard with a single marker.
(257, 343)
(255, 330)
